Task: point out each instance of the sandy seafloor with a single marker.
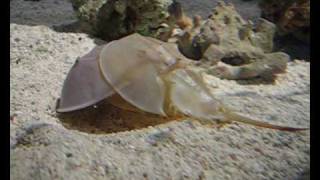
(44, 145)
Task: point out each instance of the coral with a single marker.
(87, 12)
(113, 19)
(232, 47)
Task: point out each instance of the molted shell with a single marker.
(149, 75)
(133, 65)
(190, 97)
(84, 85)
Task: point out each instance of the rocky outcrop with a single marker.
(231, 47)
(291, 17)
(112, 19)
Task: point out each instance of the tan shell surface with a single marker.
(133, 66)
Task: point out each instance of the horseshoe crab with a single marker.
(145, 74)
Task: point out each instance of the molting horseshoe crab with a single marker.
(145, 74)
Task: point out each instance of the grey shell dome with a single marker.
(84, 85)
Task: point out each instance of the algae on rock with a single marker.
(233, 48)
(113, 19)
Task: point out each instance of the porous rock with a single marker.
(112, 19)
(225, 39)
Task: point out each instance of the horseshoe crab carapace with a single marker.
(151, 76)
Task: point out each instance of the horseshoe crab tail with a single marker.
(246, 120)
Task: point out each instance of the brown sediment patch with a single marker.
(106, 118)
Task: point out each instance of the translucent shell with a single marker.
(190, 98)
(84, 85)
(133, 66)
(145, 74)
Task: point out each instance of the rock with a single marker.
(242, 49)
(225, 27)
(247, 9)
(291, 17)
(113, 19)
